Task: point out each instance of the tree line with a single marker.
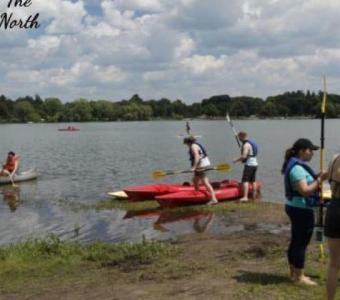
(289, 104)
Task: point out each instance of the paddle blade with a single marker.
(223, 167)
(158, 173)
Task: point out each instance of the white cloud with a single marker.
(201, 64)
(143, 5)
(186, 49)
(68, 18)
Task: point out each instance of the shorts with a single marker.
(249, 173)
(332, 224)
(200, 173)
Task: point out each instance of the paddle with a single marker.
(11, 178)
(224, 167)
(319, 224)
(233, 129)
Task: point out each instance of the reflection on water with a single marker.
(188, 220)
(11, 195)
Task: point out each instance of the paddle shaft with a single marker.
(220, 167)
(234, 130)
(319, 223)
(322, 154)
(11, 179)
(191, 171)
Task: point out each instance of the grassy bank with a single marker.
(244, 265)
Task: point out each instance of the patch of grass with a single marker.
(38, 259)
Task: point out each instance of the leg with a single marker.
(252, 181)
(254, 191)
(210, 189)
(4, 172)
(333, 267)
(245, 186)
(247, 176)
(196, 181)
(302, 224)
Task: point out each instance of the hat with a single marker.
(304, 144)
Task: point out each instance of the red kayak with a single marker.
(69, 128)
(149, 192)
(202, 196)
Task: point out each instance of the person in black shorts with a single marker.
(249, 158)
(332, 227)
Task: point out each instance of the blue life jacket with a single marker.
(201, 152)
(313, 199)
(253, 146)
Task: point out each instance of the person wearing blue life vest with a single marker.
(248, 156)
(301, 191)
(199, 160)
(332, 227)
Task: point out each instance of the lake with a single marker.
(79, 168)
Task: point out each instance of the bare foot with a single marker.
(243, 199)
(305, 280)
(212, 202)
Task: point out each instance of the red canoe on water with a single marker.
(149, 192)
(202, 196)
(69, 128)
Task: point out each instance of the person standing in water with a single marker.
(199, 160)
(301, 191)
(187, 127)
(332, 227)
(249, 158)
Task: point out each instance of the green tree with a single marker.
(24, 111)
(210, 110)
(81, 111)
(269, 110)
(103, 110)
(53, 109)
(238, 109)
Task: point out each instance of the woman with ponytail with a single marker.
(301, 191)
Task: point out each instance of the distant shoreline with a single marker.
(166, 119)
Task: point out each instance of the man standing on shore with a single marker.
(249, 158)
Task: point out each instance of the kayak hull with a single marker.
(193, 197)
(149, 192)
(20, 177)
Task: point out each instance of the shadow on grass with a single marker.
(261, 278)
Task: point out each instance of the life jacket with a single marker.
(10, 163)
(313, 199)
(202, 152)
(253, 147)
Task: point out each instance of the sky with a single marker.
(177, 49)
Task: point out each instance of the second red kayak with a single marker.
(228, 192)
(149, 192)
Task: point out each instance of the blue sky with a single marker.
(179, 49)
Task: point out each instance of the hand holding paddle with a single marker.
(221, 167)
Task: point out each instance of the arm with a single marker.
(15, 167)
(244, 154)
(195, 151)
(307, 189)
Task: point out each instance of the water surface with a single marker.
(77, 169)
